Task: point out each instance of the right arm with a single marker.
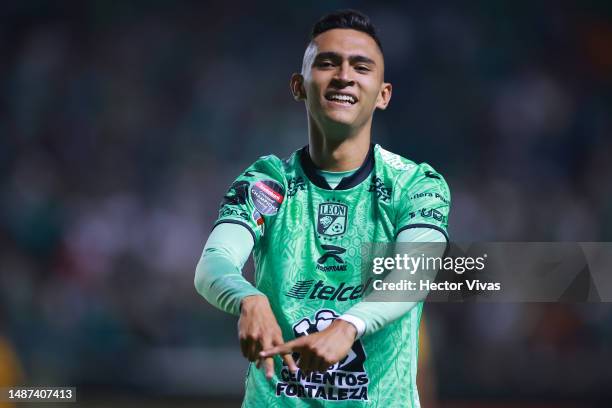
(218, 275)
(257, 193)
(219, 280)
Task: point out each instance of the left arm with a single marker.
(369, 317)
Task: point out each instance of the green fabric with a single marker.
(307, 261)
(219, 272)
(377, 315)
(229, 246)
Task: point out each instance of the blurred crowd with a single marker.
(123, 123)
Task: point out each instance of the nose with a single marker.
(343, 75)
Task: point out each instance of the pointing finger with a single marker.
(286, 348)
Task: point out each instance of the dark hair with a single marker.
(352, 19)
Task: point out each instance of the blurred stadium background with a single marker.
(123, 123)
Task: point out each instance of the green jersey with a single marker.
(308, 240)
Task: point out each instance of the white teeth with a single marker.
(342, 98)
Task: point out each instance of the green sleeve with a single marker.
(421, 199)
(218, 275)
(376, 315)
(255, 196)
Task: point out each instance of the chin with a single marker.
(341, 118)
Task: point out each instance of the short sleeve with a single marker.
(256, 195)
(422, 200)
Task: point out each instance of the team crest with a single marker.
(331, 219)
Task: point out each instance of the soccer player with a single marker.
(310, 337)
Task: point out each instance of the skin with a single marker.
(346, 61)
(258, 330)
(349, 62)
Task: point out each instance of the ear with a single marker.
(384, 96)
(297, 87)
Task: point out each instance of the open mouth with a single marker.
(342, 98)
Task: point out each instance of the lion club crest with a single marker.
(331, 219)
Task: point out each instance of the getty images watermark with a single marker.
(487, 272)
(426, 265)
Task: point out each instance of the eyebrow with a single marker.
(334, 56)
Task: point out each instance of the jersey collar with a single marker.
(347, 182)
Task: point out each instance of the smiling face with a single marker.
(342, 79)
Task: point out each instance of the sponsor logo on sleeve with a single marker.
(229, 211)
(267, 196)
(432, 175)
(437, 196)
(345, 380)
(295, 184)
(428, 213)
(237, 194)
(394, 160)
(382, 192)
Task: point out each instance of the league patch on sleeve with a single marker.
(267, 196)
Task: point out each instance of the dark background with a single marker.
(123, 123)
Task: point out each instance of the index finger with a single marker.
(285, 348)
(288, 359)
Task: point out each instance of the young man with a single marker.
(305, 219)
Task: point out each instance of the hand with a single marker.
(320, 350)
(258, 330)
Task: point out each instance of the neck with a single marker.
(339, 149)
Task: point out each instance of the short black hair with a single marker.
(348, 18)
